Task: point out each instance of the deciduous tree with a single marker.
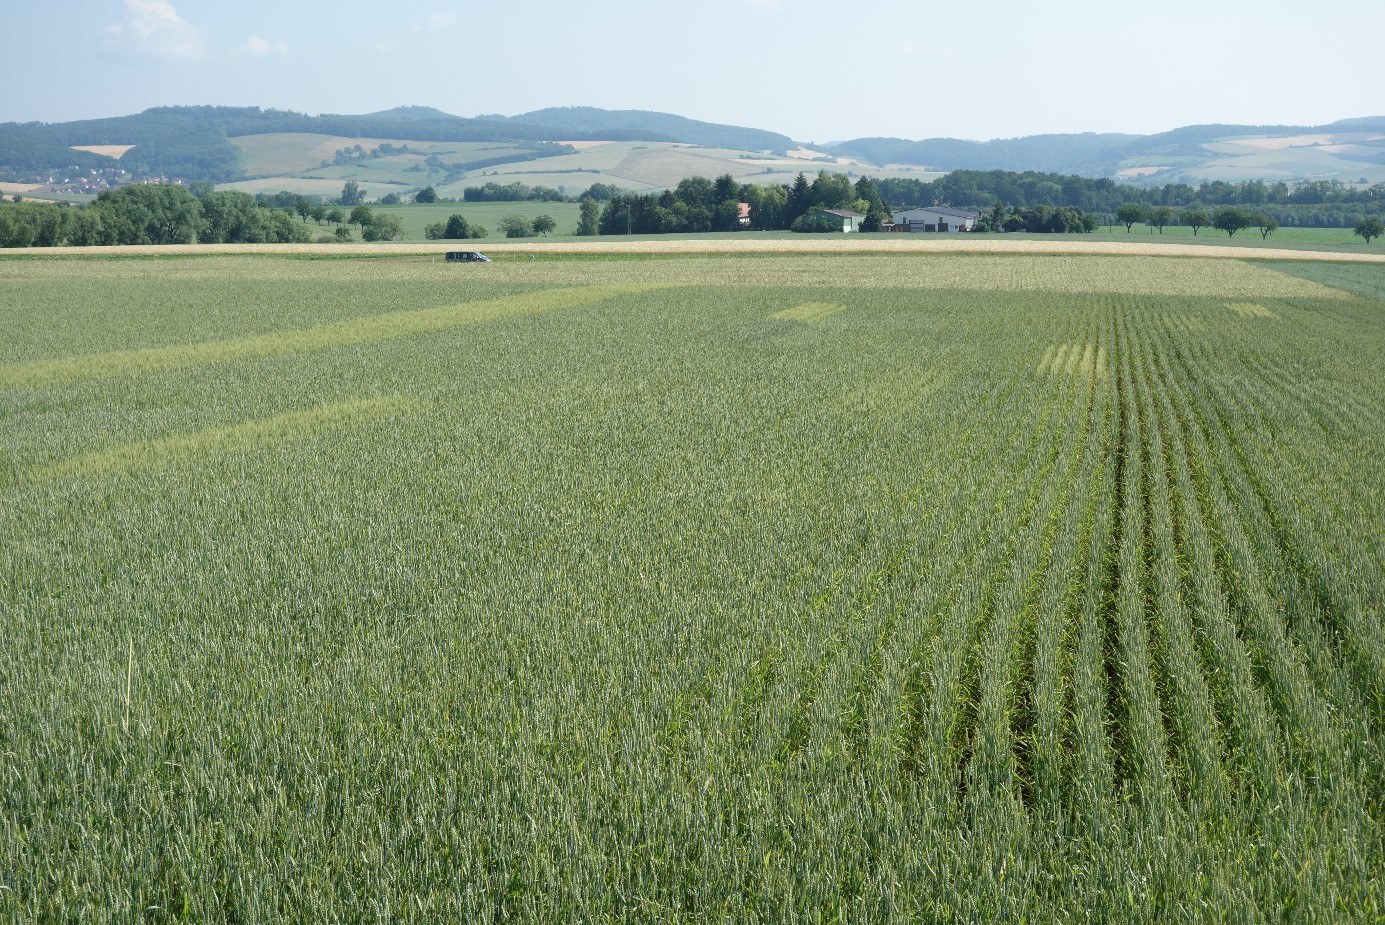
(1195, 219)
(383, 228)
(516, 226)
(1369, 228)
(589, 220)
(1129, 213)
(1230, 219)
(351, 194)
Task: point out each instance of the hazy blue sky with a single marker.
(813, 69)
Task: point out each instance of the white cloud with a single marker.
(153, 27)
(440, 21)
(258, 47)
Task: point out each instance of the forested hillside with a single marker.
(589, 120)
(1036, 152)
(1087, 154)
(191, 142)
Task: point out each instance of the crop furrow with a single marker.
(1195, 727)
(933, 695)
(1319, 744)
(1253, 739)
(1136, 701)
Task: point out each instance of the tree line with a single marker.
(168, 214)
(698, 204)
(511, 192)
(1328, 204)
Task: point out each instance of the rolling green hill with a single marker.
(450, 167)
(196, 142)
(588, 119)
(1055, 153)
(573, 147)
(1351, 151)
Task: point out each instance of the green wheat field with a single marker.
(777, 589)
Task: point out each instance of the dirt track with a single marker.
(815, 245)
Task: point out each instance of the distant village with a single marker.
(91, 181)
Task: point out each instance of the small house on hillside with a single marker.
(935, 218)
(851, 221)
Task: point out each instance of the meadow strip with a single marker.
(807, 244)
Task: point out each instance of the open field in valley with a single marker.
(682, 586)
(293, 162)
(771, 242)
(488, 214)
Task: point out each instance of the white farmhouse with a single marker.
(935, 218)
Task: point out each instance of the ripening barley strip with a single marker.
(247, 435)
(809, 312)
(1191, 705)
(1139, 713)
(366, 330)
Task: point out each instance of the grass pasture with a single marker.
(417, 217)
(297, 152)
(1335, 238)
(689, 588)
(293, 162)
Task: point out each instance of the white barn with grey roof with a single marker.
(935, 218)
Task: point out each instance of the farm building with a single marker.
(935, 218)
(851, 221)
